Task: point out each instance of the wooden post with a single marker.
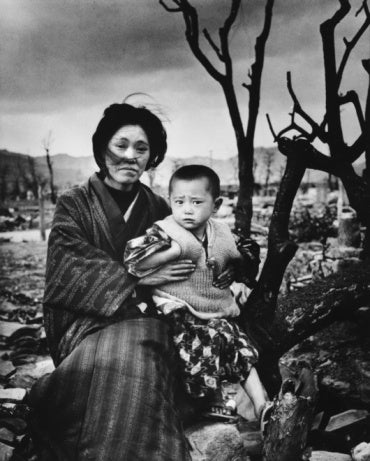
(42, 211)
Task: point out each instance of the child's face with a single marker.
(192, 203)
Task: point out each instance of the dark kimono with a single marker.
(111, 396)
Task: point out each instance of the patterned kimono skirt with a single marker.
(211, 351)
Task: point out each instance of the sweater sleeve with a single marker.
(81, 277)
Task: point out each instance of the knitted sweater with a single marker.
(198, 289)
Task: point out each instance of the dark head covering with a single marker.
(119, 115)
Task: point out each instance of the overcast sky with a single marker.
(63, 61)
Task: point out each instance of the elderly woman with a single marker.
(111, 396)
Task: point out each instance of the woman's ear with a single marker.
(218, 203)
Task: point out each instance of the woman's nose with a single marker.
(129, 153)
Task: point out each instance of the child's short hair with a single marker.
(189, 172)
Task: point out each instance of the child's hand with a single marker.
(225, 279)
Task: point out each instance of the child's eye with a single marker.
(197, 202)
(178, 202)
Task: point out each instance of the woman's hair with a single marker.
(190, 172)
(118, 115)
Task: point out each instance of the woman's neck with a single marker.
(118, 186)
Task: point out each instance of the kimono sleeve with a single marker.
(81, 277)
(137, 249)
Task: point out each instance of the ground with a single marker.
(340, 354)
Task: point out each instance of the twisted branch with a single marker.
(350, 44)
(352, 97)
(317, 130)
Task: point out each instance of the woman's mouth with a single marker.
(127, 168)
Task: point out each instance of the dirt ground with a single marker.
(22, 267)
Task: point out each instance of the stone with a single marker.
(6, 369)
(349, 233)
(345, 419)
(215, 441)
(12, 395)
(329, 456)
(6, 452)
(6, 435)
(27, 375)
(16, 425)
(7, 307)
(14, 329)
(361, 452)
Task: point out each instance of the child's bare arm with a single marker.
(160, 258)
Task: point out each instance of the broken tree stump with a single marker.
(291, 418)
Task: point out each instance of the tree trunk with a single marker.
(244, 207)
(259, 311)
(291, 419)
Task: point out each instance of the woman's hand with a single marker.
(171, 272)
(226, 278)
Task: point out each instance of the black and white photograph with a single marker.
(185, 230)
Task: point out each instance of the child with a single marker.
(211, 346)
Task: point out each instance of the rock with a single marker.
(216, 441)
(329, 456)
(349, 234)
(6, 452)
(16, 425)
(6, 369)
(7, 436)
(12, 395)
(14, 329)
(361, 452)
(7, 307)
(27, 375)
(345, 419)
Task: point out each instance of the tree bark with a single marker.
(291, 419)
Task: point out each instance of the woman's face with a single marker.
(126, 157)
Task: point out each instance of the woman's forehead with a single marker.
(131, 132)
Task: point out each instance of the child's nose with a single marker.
(188, 209)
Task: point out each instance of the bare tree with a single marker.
(46, 143)
(244, 136)
(268, 159)
(277, 325)
(301, 154)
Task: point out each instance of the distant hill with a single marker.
(18, 171)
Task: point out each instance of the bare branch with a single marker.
(317, 130)
(192, 36)
(247, 86)
(350, 44)
(271, 128)
(224, 36)
(327, 29)
(352, 97)
(168, 8)
(213, 45)
(256, 70)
